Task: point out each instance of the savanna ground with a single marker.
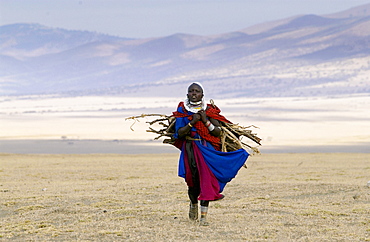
(280, 197)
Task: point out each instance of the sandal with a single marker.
(193, 212)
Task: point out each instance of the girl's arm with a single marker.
(216, 131)
(186, 129)
(212, 124)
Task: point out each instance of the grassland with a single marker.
(280, 197)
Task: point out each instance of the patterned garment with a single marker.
(215, 168)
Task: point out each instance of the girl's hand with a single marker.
(196, 118)
(203, 115)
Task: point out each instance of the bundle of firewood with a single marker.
(231, 134)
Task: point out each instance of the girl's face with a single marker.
(195, 93)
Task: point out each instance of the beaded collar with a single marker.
(194, 107)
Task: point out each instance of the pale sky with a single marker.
(155, 18)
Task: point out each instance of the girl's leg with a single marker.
(203, 213)
(193, 193)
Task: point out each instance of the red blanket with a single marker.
(212, 112)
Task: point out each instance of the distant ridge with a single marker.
(306, 55)
(28, 38)
(356, 12)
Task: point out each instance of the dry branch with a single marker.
(231, 134)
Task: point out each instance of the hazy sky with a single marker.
(154, 18)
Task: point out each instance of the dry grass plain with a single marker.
(280, 197)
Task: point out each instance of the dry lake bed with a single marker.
(280, 197)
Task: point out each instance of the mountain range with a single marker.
(305, 55)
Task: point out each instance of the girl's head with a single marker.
(195, 92)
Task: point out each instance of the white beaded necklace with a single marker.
(194, 107)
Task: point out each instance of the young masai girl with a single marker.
(205, 168)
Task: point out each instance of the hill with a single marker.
(305, 55)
